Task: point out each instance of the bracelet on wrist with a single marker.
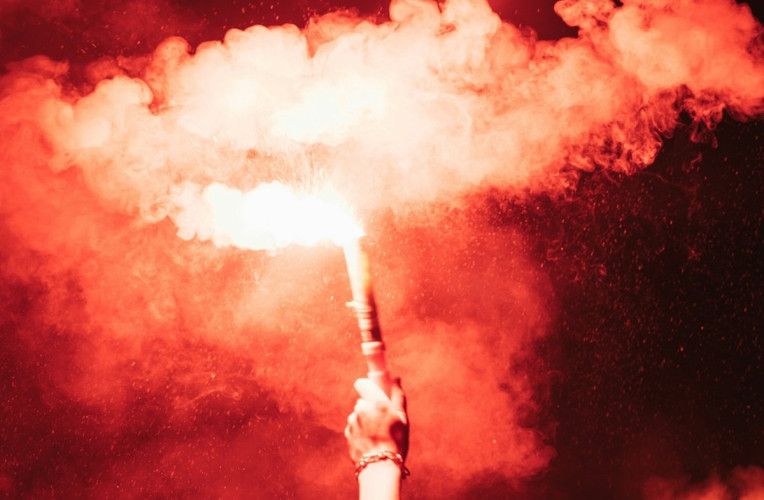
(370, 458)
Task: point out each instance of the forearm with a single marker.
(380, 481)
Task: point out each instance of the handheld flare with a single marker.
(365, 307)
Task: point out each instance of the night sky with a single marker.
(637, 374)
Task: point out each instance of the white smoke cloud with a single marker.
(427, 105)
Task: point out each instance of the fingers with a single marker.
(353, 420)
(363, 407)
(378, 422)
(370, 391)
(353, 427)
(372, 394)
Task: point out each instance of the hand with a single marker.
(378, 423)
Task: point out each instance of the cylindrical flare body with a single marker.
(365, 307)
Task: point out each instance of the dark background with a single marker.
(656, 351)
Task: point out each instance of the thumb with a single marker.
(370, 391)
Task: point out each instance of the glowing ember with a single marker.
(269, 216)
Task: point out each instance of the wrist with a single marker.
(380, 481)
(383, 468)
(387, 457)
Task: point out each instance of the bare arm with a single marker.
(378, 433)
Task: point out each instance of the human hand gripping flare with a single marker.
(377, 433)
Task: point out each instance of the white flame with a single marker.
(270, 216)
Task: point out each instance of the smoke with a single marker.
(744, 483)
(448, 101)
(160, 349)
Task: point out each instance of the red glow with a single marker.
(165, 365)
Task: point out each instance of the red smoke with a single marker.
(142, 364)
(745, 483)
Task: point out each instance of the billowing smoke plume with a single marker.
(235, 357)
(445, 99)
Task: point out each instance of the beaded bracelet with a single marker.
(379, 456)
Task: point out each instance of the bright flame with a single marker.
(269, 216)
